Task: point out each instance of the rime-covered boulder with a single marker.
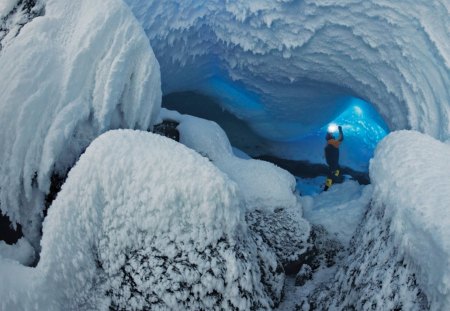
(285, 231)
(399, 256)
(143, 222)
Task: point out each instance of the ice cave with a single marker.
(169, 155)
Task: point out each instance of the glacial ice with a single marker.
(286, 66)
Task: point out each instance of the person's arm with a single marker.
(341, 134)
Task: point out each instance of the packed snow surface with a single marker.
(21, 251)
(79, 70)
(339, 210)
(410, 177)
(287, 66)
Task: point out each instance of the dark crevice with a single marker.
(7, 232)
(57, 180)
(306, 169)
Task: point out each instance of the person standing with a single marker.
(332, 157)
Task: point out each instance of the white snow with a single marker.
(21, 251)
(410, 177)
(262, 185)
(6, 6)
(340, 209)
(142, 205)
(79, 70)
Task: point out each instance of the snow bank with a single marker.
(410, 175)
(340, 210)
(262, 185)
(79, 70)
(286, 66)
(6, 7)
(14, 14)
(400, 255)
(21, 252)
(144, 222)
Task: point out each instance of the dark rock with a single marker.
(168, 128)
(7, 232)
(151, 279)
(323, 251)
(305, 274)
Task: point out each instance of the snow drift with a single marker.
(287, 66)
(80, 69)
(145, 222)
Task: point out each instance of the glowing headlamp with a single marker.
(332, 128)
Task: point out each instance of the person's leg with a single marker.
(333, 177)
(329, 180)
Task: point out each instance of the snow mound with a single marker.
(21, 252)
(14, 14)
(144, 222)
(410, 174)
(400, 255)
(80, 69)
(262, 185)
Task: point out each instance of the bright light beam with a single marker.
(332, 128)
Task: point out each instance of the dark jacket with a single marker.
(332, 151)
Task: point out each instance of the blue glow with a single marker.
(363, 129)
(235, 97)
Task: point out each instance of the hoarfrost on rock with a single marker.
(144, 221)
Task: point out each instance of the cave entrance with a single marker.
(303, 156)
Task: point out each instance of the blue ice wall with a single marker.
(363, 128)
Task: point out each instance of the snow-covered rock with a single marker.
(262, 185)
(144, 222)
(81, 68)
(285, 231)
(400, 255)
(410, 174)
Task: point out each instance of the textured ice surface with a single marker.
(79, 70)
(286, 66)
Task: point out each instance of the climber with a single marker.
(332, 156)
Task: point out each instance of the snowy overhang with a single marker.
(294, 61)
